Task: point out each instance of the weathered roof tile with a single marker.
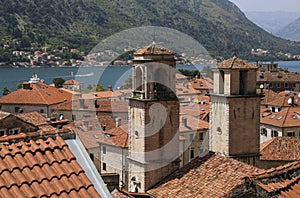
(41, 168)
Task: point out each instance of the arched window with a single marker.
(138, 79)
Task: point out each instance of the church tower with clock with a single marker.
(235, 111)
(153, 118)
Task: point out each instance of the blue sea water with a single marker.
(113, 75)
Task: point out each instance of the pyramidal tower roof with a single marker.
(154, 49)
(236, 63)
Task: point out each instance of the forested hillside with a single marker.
(217, 24)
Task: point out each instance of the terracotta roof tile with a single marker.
(72, 82)
(42, 168)
(283, 100)
(118, 136)
(39, 93)
(89, 105)
(33, 117)
(288, 117)
(111, 135)
(273, 77)
(200, 111)
(281, 149)
(4, 114)
(192, 123)
(154, 49)
(268, 96)
(282, 181)
(203, 84)
(235, 63)
(209, 176)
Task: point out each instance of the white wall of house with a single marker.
(114, 158)
(268, 132)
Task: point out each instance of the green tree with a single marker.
(99, 87)
(189, 73)
(5, 91)
(58, 82)
(19, 86)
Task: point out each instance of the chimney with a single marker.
(184, 121)
(109, 88)
(118, 122)
(26, 85)
(291, 100)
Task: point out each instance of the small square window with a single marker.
(17, 109)
(16, 131)
(104, 149)
(291, 134)
(104, 166)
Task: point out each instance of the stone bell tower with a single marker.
(235, 108)
(154, 118)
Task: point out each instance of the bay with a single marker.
(112, 75)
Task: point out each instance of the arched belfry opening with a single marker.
(153, 138)
(139, 79)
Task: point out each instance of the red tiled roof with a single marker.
(288, 117)
(39, 93)
(273, 77)
(111, 135)
(154, 49)
(42, 168)
(89, 105)
(186, 89)
(209, 176)
(269, 96)
(282, 181)
(235, 63)
(180, 76)
(282, 101)
(118, 136)
(202, 84)
(193, 124)
(197, 110)
(281, 149)
(3, 114)
(33, 117)
(72, 82)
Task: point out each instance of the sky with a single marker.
(268, 5)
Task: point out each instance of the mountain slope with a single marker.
(217, 24)
(272, 21)
(291, 31)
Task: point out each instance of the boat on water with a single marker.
(84, 75)
(80, 75)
